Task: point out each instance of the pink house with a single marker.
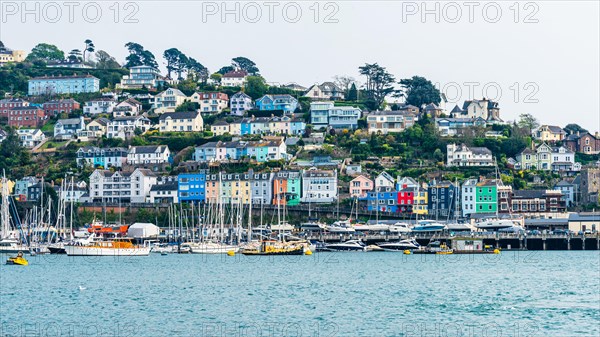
(359, 187)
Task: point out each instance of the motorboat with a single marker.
(59, 247)
(272, 247)
(10, 246)
(213, 248)
(428, 226)
(460, 227)
(115, 247)
(402, 245)
(350, 245)
(496, 224)
(312, 226)
(400, 227)
(378, 227)
(340, 227)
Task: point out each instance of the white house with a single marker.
(211, 102)
(390, 121)
(185, 121)
(168, 100)
(326, 114)
(240, 103)
(324, 92)
(384, 182)
(165, 192)
(129, 107)
(461, 155)
(153, 154)
(106, 186)
(235, 78)
(319, 186)
(468, 192)
(125, 127)
(104, 105)
(67, 128)
(30, 137)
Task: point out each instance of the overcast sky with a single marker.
(546, 63)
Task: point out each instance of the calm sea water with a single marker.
(326, 294)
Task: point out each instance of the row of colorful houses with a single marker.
(284, 125)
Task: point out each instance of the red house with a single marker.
(406, 199)
(53, 108)
(26, 116)
(9, 103)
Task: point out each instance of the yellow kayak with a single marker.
(21, 261)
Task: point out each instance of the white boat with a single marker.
(428, 226)
(11, 246)
(116, 247)
(213, 248)
(401, 245)
(350, 245)
(400, 227)
(495, 224)
(378, 227)
(340, 227)
(457, 227)
(312, 226)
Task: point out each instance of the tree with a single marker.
(46, 52)
(182, 64)
(216, 77)
(255, 87)
(89, 48)
(105, 61)
(574, 128)
(528, 122)
(344, 83)
(74, 56)
(352, 93)
(224, 70)
(13, 157)
(197, 71)
(419, 91)
(245, 64)
(138, 56)
(171, 56)
(378, 85)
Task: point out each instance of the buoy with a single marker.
(496, 251)
(230, 253)
(407, 252)
(308, 252)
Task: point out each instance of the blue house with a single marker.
(442, 199)
(386, 201)
(192, 187)
(63, 85)
(287, 103)
(297, 126)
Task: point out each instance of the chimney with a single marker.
(577, 132)
(597, 135)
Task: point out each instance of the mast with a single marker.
(71, 213)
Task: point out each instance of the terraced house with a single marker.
(101, 157)
(52, 85)
(319, 186)
(261, 151)
(287, 188)
(192, 187)
(55, 107)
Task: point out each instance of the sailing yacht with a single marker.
(8, 238)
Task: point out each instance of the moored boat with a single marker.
(213, 248)
(115, 247)
(277, 248)
(350, 245)
(399, 246)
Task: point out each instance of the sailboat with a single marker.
(9, 239)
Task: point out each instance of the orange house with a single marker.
(279, 190)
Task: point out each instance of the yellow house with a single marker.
(185, 121)
(420, 205)
(9, 56)
(220, 128)
(549, 133)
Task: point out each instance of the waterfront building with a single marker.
(192, 187)
(286, 188)
(319, 186)
(442, 198)
(360, 186)
(133, 187)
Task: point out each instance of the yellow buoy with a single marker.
(230, 253)
(308, 252)
(496, 251)
(407, 252)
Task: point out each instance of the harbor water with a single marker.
(516, 293)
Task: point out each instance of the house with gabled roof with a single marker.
(287, 103)
(325, 91)
(234, 78)
(461, 155)
(67, 128)
(128, 107)
(184, 121)
(549, 133)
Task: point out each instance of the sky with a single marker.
(537, 57)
